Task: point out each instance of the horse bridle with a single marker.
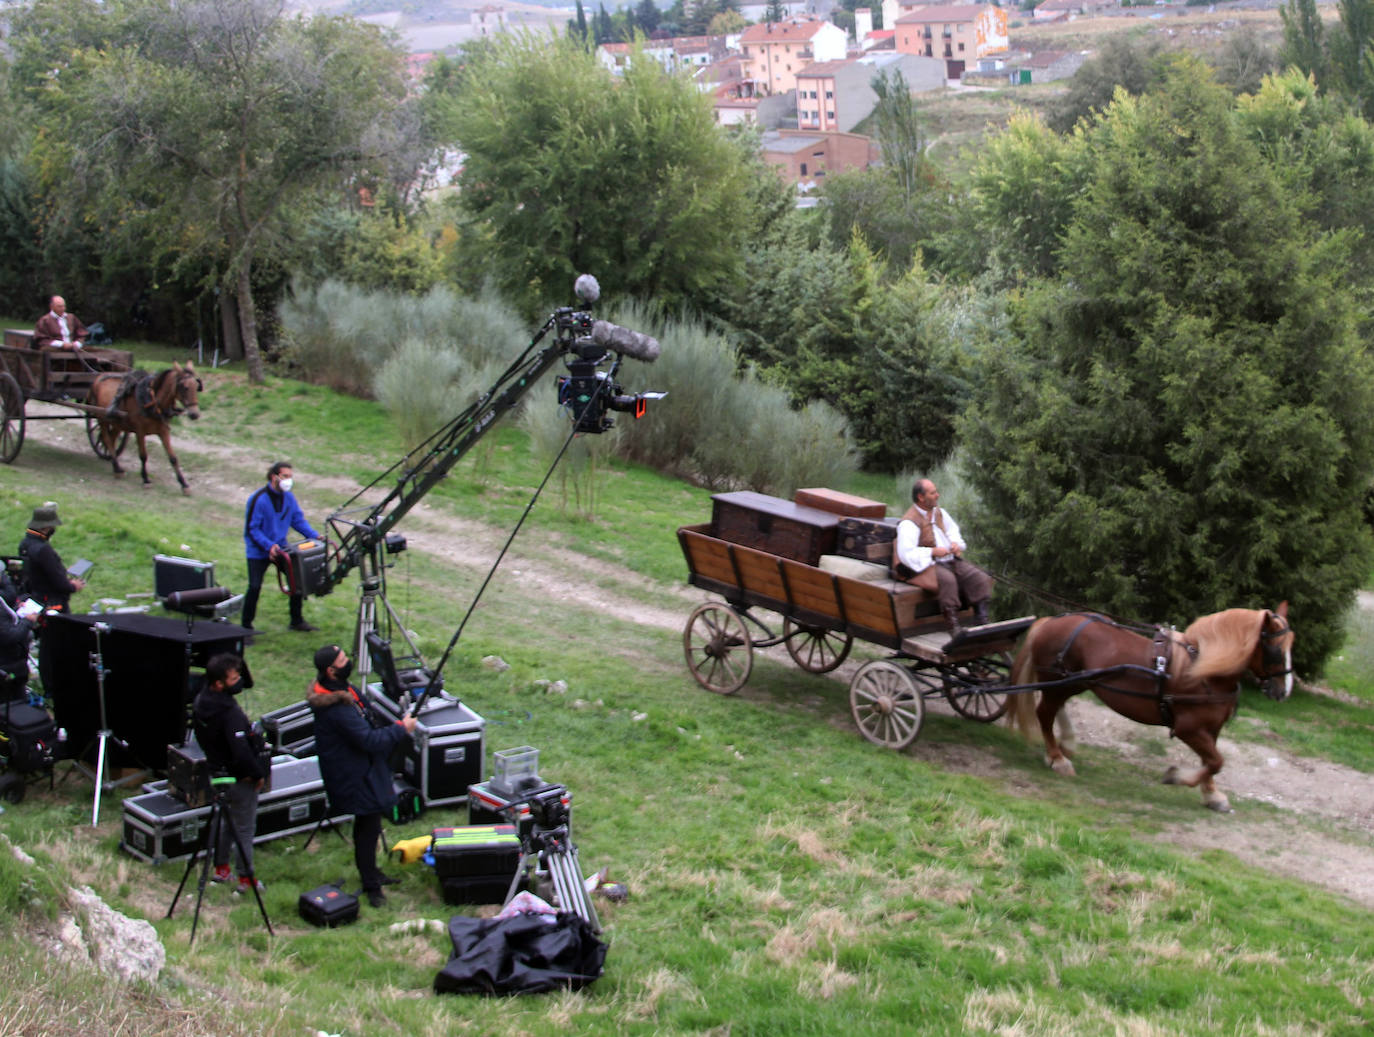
(1273, 659)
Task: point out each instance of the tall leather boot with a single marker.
(952, 618)
(980, 613)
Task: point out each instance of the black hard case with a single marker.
(160, 827)
(446, 751)
(188, 775)
(475, 889)
(291, 729)
(328, 906)
(32, 735)
(478, 850)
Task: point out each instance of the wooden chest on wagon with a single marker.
(774, 525)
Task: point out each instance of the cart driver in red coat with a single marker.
(58, 329)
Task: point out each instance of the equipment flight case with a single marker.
(160, 827)
(291, 729)
(446, 751)
(475, 863)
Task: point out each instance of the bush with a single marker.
(418, 384)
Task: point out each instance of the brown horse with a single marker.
(148, 403)
(1188, 682)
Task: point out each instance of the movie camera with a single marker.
(586, 392)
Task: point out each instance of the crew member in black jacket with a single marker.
(44, 574)
(231, 747)
(354, 744)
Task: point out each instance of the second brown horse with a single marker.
(146, 411)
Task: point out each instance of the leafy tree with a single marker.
(1351, 53)
(1132, 64)
(647, 15)
(776, 11)
(578, 27)
(901, 136)
(725, 23)
(1243, 60)
(1304, 46)
(1186, 419)
(569, 171)
(219, 119)
(1021, 196)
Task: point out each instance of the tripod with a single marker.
(550, 852)
(101, 774)
(219, 808)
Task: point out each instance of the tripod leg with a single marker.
(203, 848)
(252, 880)
(567, 883)
(515, 879)
(211, 841)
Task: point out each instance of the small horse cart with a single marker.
(821, 563)
(59, 376)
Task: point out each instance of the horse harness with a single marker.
(142, 387)
(1157, 666)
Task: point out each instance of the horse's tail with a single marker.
(1021, 707)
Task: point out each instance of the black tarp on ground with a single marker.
(524, 954)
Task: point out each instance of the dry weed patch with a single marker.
(661, 985)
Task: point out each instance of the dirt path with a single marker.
(1321, 831)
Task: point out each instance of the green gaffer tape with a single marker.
(477, 840)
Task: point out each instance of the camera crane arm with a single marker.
(359, 531)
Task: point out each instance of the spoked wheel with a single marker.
(11, 417)
(718, 649)
(886, 704)
(815, 649)
(973, 687)
(12, 788)
(98, 443)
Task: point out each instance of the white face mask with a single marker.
(286, 484)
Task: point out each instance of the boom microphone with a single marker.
(190, 600)
(624, 341)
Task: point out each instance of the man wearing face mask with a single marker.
(271, 514)
(354, 744)
(231, 747)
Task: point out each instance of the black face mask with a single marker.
(341, 672)
(235, 687)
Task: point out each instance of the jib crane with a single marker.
(363, 531)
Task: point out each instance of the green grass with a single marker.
(786, 877)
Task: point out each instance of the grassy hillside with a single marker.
(786, 877)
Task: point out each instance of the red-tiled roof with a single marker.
(781, 32)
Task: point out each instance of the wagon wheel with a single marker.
(718, 649)
(886, 704)
(815, 649)
(11, 417)
(973, 688)
(98, 444)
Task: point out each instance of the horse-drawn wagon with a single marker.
(824, 570)
(99, 386)
(59, 376)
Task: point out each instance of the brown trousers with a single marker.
(961, 579)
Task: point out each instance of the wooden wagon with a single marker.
(57, 376)
(824, 572)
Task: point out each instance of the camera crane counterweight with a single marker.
(362, 532)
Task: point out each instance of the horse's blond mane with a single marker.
(1225, 642)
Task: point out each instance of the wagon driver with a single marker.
(929, 553)
(59, 329)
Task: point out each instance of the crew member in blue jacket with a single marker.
(272, 512)
(354, 744)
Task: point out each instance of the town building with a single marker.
(961, 34)
(775, 52)
(838, 95)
